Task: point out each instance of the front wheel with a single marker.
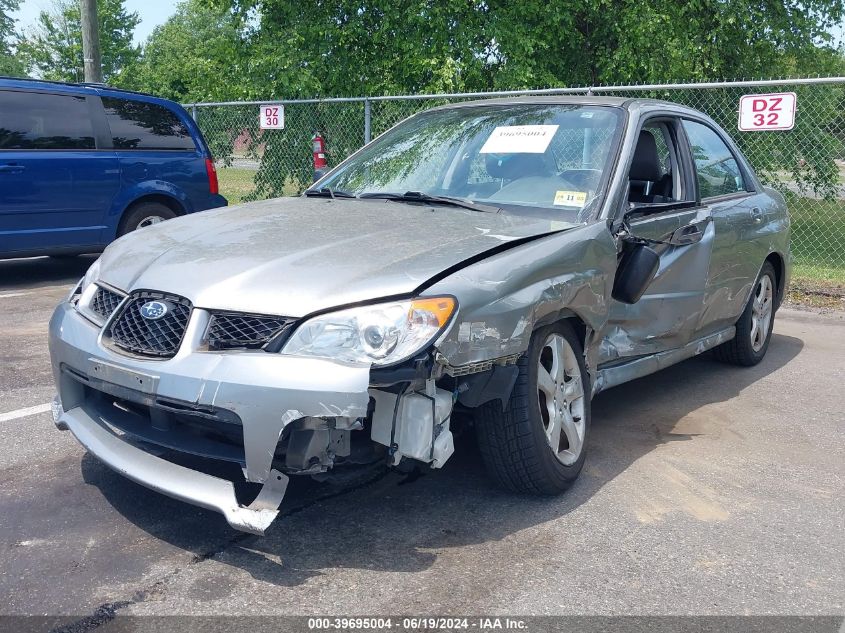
(537, 444)
(754, 327)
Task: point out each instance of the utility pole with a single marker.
(91, 42)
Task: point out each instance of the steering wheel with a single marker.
(582, 178)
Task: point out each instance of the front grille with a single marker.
(231, 330)
(105, 302)
(160, 337)
(76, 294)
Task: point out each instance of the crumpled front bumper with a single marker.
(266, 391)
(171, 479)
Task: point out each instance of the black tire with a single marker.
(513, 443)
(141, 213)
(740, 350)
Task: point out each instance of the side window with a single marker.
(32, 120)
(142, 125)
(718, 172)
(660, 136)
(655, 175)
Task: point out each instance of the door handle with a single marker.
(11, 168)
(757, 215)
(686, 235)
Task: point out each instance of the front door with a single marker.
(55, 186)
(662, 187)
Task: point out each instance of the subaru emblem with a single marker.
(153, 310)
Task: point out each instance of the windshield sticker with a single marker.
(519, 139)
(570, 198)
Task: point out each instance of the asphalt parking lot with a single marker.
(708, 489)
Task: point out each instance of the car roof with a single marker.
(583, 100)
(25, 83)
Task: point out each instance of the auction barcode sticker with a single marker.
(519, 139)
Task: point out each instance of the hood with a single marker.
(294, 256)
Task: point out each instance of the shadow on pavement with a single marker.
(36, 272)
(398, 523)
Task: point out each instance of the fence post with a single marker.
(367, 121)
(194, 113)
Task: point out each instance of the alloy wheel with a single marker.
(560, 393)
(761, 312)
(149, 221)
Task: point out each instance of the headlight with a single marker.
(90, 277)
(381, 334)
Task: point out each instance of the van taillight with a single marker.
(212, 176)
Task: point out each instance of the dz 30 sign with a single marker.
(767, 112)
(272, 117)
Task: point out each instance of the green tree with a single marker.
(346, 47)
(10, 64)
(197, 55)
(350, 47)
(361, 47)
(53, 48)
(624, 41)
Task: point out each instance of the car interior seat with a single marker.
(648, 182)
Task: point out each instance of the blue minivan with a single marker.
(83, 164)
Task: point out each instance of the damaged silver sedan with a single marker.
(503, 259)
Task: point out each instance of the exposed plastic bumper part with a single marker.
(171, 479)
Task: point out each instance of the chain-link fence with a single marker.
(806, 163)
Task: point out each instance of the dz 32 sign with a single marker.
(767, 112)
(272, 117)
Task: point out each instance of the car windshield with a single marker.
(537, 159)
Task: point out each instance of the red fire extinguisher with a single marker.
(318, 145)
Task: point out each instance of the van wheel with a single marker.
(143, 215)
(537, 444)
(754, 328)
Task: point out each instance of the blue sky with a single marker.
(152, 13)
(155, 12)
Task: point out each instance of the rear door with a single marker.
(669, 313)
(55, 184)
(739, 213)
(156, 151)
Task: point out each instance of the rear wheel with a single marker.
(754, 327)
(143, 215)
(537, 444)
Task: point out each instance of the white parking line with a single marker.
(15, 294)
(22, 413)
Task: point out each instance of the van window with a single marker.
(32, 120)
(142, 125)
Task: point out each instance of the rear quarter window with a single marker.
(42, 121)
(140, 125)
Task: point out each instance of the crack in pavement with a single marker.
(102, 614)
